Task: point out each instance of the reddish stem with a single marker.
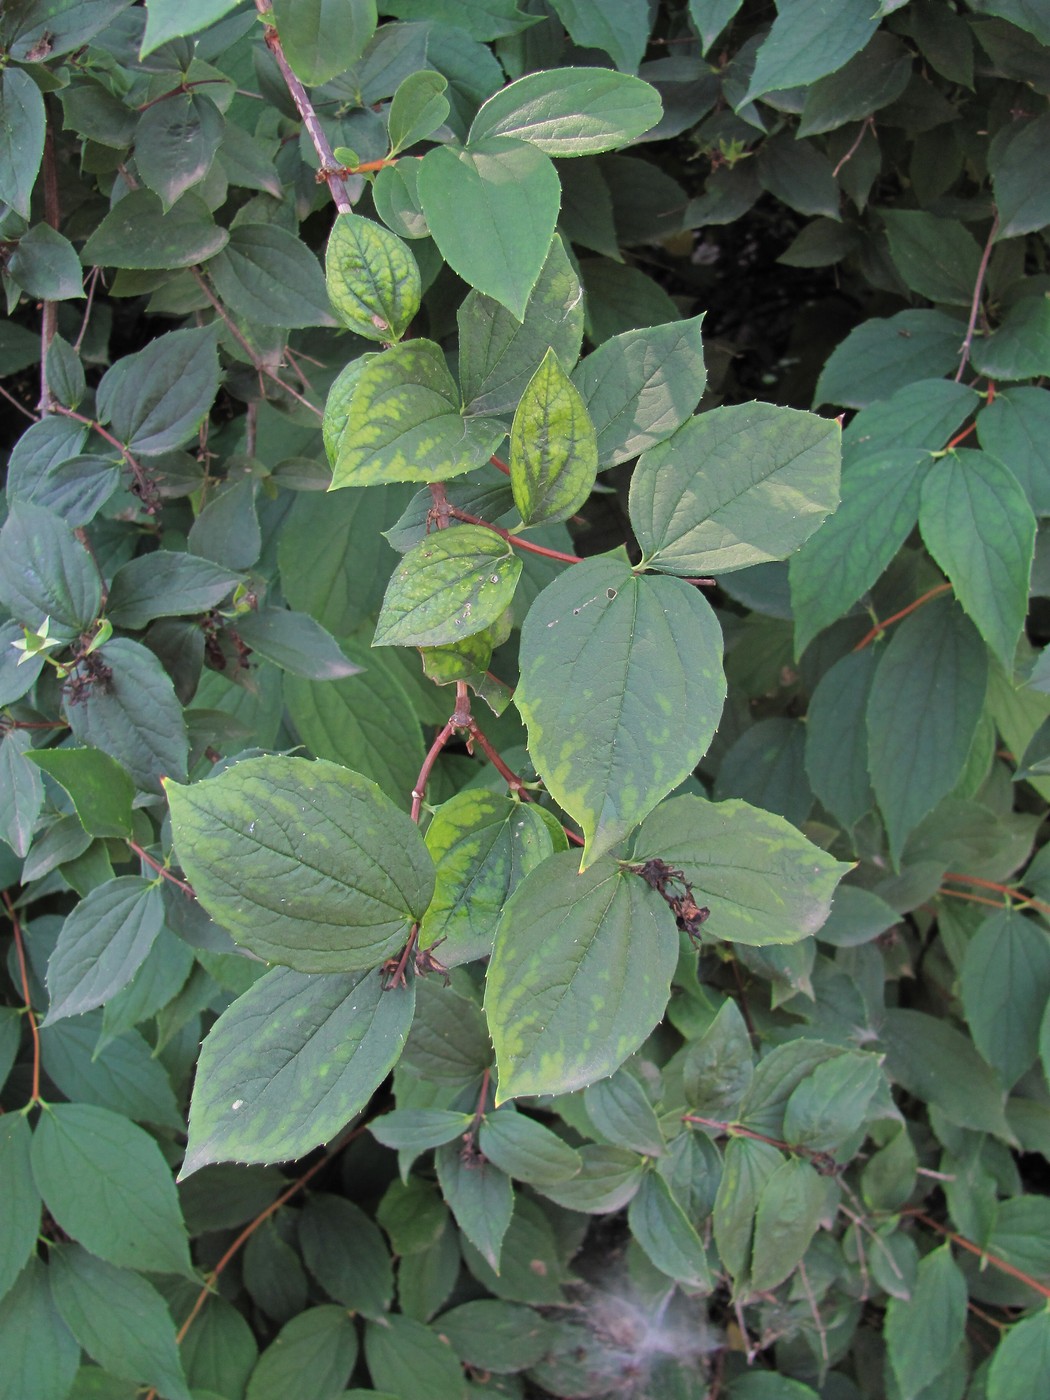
(975, 305)
(145, 485)
(1011, 890)
(23, 973)
(515, 541)
(162, 870)
(1001, 1264)
(501, 465)
(420, 789)
(178, 91)
(961, 437)
(880, 627)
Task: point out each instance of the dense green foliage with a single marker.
(522, 835)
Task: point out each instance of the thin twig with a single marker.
(330, 171)
(92, 283)
(419, 791)
(975, 305)
(515, 541)
(23, 973)
(33, 417)
(178, 91)
(880, 627)
(146, 491)
(1001, 1264)
(162, 870)
(868, 121)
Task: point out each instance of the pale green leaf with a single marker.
(571, 111)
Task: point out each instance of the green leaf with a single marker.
(129, 710)
(924, 1331)
(749, 1164)
(103, 943)
(878, 357)
(479, 1195)
(799, 175)
(22, 123)
(419, 108)
(45, 264)
(403, 422)
(664, 1231)
(833, 1103)
(937, 258)
(483, 845)
(1021, 1360)
(526, 1150)
(837, 739)
(449, 1042)
(710, 18)
(116, 1074)
(621, 30)
(170, 19)
(808, 40)
(579, 975)
(498, 355)
(311, 1357)
(979, 527)
(607, 1180)
(138, 233)
(157, 399)
(296, 643)
(365, 722)
(107, 1185)
(719, 1066)
(846, 556)
(101, 790)
(175, 144)
(490, 1335)
(454, 583)
(166, 584)
(408, 1359)
(19, 1204)
(788, 1215)
(1014, 428)
(571, 111)
(1020, 348)
(607, 656)
(295, 858)
(268, 276)
(491, 209)
(922, 414)
(219, 1350)
(1005, 982)
(396, 198)
(735, 487)
(345, 1251)
(872, 79)
(40, 1354)
(938, 1064)
(418, 1129)
(22, 790)
(322, 38)
(290, 1062)
(373, 279)
(553, 447)
(620, 1110)
(1022, 194)
(641, 386)
(925, 702)
(45, 572)
(763, 880)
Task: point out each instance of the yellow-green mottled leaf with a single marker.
(735, 487)
(307, 864)
(553, 447)
(763, 881)
(452, 584)
(483, 845)
(403, 422)
(621, 687)
(373, 280)
(289, 1064)
(580, 974)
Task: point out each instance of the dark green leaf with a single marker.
(138, 233)
(131, 713)
(833, 1103)
(763, 880)
(606, 655)
(175, 144)
(373, 279)
(19, 1204)
(1021, 1362)
(266, 275)
(799, 175)
(1020, 348)
(403, 422)
(710, 18)
(1022, 193)
(408, 1359)
(166, 584)
(938, 1064)
(579, 975)
(937, 258)
(296, 859)
(418, 1129)
(219, 1350)
(789, 1212)
(924, 1331)
(807, 41)
(606, 1181)
(45, 264)
(571, 111)
(169, 19)
(879, 357)
(493, 1336)
(311, 1357)
(925, 702)
(749, 1164)
(21, 790)
(454, 583)
(157, 399)
(107, 1185)
(322, 38)
(873, 78)
(526, 1150)
(45, 572)
(619, 30)
(40, 1355)
(735, 487)
(661, 1227)
(103, 943)
(491, 209)
(719, 1066)
(344, 1250)
(837, 740)
(95, 1299)
(620, 1110)
(296, 643)
(553, 447)
(479, 1195)
(290, 1063)
(22, 122)
(1014, 428)
(120, 1075)
(1005, 989)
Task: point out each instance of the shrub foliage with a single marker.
(521, 832)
